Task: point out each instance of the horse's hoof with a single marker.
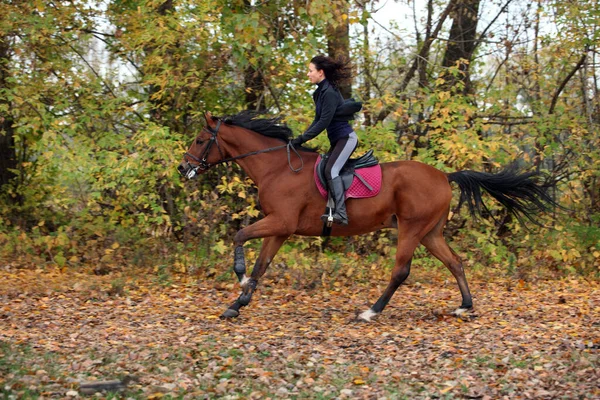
(230, 313)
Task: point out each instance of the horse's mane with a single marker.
(271, 127)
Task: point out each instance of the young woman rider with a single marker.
(332, 113)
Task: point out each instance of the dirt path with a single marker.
(524, 340)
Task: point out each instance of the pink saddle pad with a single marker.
(357, 190)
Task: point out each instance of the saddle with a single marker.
(361, 176)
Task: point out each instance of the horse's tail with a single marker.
(522, 194)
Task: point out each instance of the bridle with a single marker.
(202, 163)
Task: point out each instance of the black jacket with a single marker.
(331, 108)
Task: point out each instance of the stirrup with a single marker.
(330, 219)
(327, 218)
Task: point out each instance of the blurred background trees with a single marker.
(99, 99)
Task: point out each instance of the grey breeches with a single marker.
(340, 153)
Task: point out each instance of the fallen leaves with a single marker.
(59, 329)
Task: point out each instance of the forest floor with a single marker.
(160, 336)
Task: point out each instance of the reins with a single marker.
(289, 149)
(205, 165)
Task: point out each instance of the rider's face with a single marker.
(315, 75)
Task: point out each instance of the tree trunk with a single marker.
(462, 40)
(420, 130)
(254, 83)
(8, 156)
(422, 62)
(158, 105)
(338, 39)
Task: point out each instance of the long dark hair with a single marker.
(336, 71)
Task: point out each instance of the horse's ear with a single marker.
(210, 120)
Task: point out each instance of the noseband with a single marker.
(203, 164)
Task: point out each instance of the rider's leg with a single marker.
(340, 153)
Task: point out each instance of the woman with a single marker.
(332, 113)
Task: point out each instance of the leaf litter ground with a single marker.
(538, 339)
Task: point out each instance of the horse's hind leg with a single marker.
(404, 254)
(434, 242)
(269, 248)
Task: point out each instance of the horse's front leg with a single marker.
(269, 248)
(265, 228)
(239, 263)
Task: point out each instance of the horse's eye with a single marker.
(199, 141)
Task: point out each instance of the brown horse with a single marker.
(414, 199)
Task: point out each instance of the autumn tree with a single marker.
(40, 60)
(98, 103)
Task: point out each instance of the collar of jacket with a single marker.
(324, 84)
(321, 87)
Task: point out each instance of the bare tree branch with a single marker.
(565, 81)
(415, 64)
(492, 22)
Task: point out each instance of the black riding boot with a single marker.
(336, 190)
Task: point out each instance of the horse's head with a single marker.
(204, 150)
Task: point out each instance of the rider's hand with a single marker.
(297, 141)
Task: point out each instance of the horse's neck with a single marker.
(257, 166)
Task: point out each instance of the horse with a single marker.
(414, 199)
